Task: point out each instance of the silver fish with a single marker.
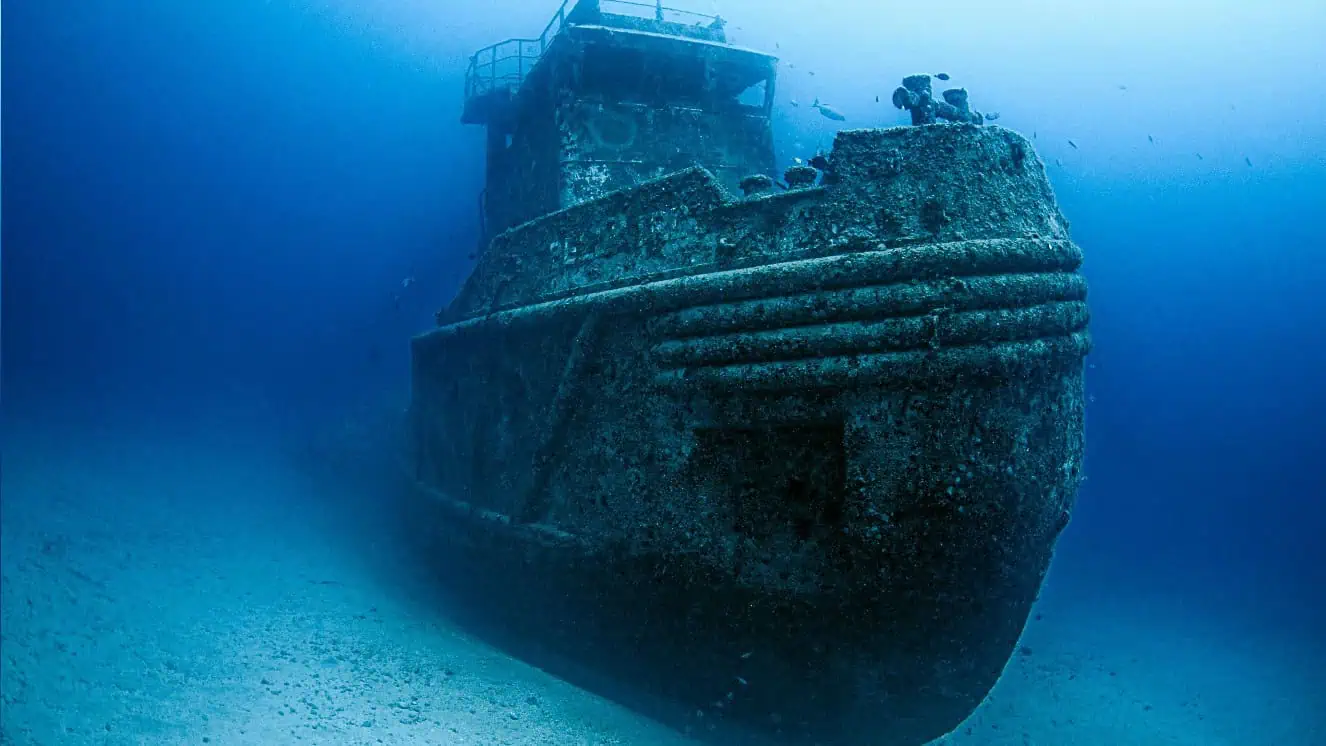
(829, 112)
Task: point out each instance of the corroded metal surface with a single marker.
(611, 104)
(798, 461)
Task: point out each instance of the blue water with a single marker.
(209, 210)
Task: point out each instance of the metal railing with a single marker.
(659, 12)
(505, 64)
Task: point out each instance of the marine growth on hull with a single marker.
(787, 452)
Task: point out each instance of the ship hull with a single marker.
(807, 498)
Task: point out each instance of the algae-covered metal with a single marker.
(602, 100)
(796, 461)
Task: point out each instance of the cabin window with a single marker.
(753, 96)
(628, 76)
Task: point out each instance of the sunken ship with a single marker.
(789, 458)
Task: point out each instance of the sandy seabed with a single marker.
(167, 590)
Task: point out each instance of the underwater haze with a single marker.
(224, 221)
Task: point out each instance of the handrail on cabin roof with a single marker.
(481, 77)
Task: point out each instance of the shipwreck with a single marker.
(791, 458)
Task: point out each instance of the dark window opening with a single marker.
(630, 76)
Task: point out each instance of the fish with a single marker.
(1151, 139)
(990, 116)
(794, 102)
(829, 112)
(877, 99)
(407, 282)
(1058, 163)
(1123, 87)
(1073, 144)
(1199, 156)
(942, 76)
(1247, 160)
(820, 162)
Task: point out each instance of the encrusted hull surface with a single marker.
(796, 463)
